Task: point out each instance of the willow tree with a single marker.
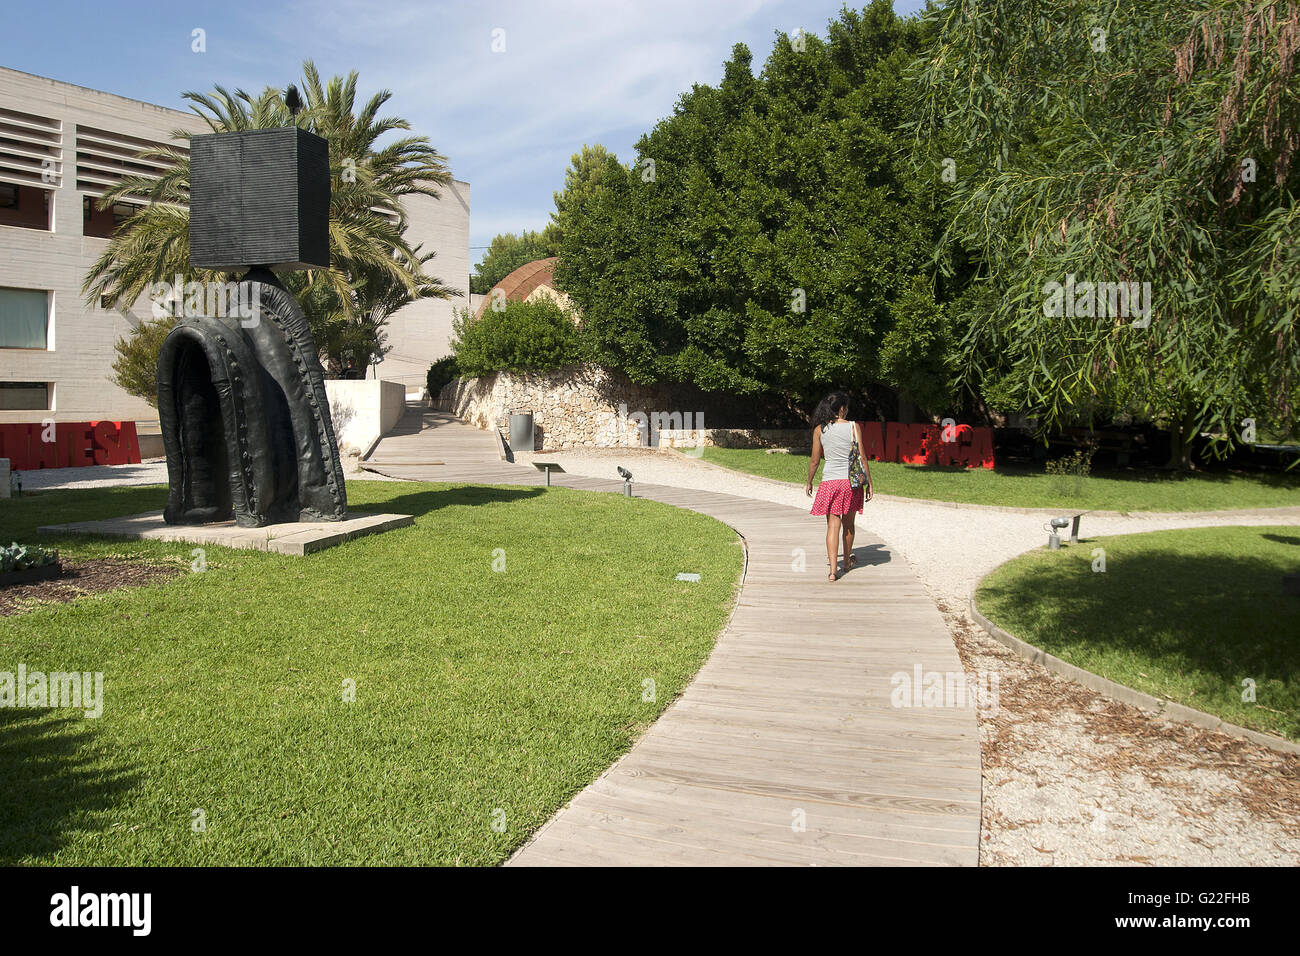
(1092, 149)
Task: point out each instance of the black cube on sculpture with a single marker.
(260, 197)
(241, 397)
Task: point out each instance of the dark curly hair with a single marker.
(828, 407)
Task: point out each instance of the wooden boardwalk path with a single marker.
(785, 749)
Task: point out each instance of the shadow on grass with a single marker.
(53, 782)
(423, 502)
(1224, 617)
(1148, 475)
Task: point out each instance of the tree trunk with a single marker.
(1181, 432)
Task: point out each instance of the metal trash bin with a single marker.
(521, 431)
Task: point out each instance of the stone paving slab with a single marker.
(295, 538)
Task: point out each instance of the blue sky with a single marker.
(573, 71)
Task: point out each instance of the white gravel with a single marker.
(1070, 777)
(151, 472)
(949, 548)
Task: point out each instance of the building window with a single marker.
(26, 207)
(122, 211)
(102, 223)
(24, 397)
(24, 314)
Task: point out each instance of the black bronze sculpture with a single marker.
(241, 394)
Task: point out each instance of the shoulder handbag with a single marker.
(859, 473)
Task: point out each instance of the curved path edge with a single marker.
(789, 746)
(1122, 692)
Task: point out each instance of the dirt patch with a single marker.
(80, 578)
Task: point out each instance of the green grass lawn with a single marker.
(1183, 615)
(482, 697)
(1023, 488)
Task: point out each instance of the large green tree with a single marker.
(1140, 141)
(372, 265)
(583, 180)
(771, 234)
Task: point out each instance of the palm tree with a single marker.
(359, 329)
(366, 224)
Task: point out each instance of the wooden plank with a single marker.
(792, 711)
(946, 830)
(773, 843)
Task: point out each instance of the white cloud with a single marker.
(572, 73)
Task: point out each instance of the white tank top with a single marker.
(837, 442)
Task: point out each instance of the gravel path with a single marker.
(1070, 777)
(949, 548)
(151, 472)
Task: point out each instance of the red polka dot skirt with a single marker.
(837, 497)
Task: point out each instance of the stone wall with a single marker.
(575, 408)
(795, 439)
(592, 408)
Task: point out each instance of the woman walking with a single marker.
(845, 483)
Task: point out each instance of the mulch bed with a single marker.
(80, 578)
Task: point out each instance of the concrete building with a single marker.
(61, 146)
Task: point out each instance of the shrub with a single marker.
(440, 373)
(1069, 474)
(136, 366)
(523, 337)
(18, 557)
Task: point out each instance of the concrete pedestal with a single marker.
(298, 539)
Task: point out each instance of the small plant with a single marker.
(1070, 474)
(135, 370)
(19, 557)
(526, 337)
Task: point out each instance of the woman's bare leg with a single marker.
(833, 545)
(847, 529)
